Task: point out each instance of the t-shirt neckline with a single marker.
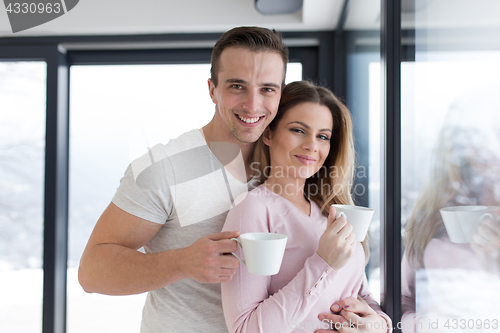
(202, 137)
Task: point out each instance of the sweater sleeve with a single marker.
(248, 307)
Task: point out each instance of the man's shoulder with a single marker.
(158, 159)
(185, 148)
(188, 140)
(184, 143)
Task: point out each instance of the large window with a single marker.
(22, 157)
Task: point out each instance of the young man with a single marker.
(174, 200)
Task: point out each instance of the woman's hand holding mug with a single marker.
(337, 244)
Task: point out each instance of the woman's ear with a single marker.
(266, 136)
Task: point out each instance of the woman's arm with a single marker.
(248, 307)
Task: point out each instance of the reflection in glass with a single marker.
(450, 270)
(451, 169)
(22, 154)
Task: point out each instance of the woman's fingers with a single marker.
(351, 304)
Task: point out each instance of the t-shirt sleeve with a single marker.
(145, 194)
(248, 307)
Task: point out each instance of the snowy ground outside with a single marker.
(21, 308)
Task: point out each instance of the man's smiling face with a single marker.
(248, 92)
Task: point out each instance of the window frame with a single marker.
(55, 234)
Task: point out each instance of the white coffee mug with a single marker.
(263, 252)
(461, 222)
(358, 217)
(452, 225)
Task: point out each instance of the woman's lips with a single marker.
(306, 160)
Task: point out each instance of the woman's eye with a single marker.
(297, 130)
(324, 137)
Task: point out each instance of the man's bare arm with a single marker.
(112, 265)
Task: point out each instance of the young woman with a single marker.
(305, 159)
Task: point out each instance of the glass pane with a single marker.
(22, 158)
(375, 167)
(116, 113)
(451, 169)
(363, 99)
(293, 72)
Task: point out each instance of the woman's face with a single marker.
(301, 142)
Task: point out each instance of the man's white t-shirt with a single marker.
(183, 186)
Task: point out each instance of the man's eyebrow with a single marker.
(274, 85)
(240, 81)
(236, 81)
(308, 127)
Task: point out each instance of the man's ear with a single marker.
(266, 136)
(211, 90)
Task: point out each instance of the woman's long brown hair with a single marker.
(332, 184)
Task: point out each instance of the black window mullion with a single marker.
(391, 148)
(55, 252)
(140, 57)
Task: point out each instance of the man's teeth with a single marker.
(249, 120)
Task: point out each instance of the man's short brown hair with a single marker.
(254, 39)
